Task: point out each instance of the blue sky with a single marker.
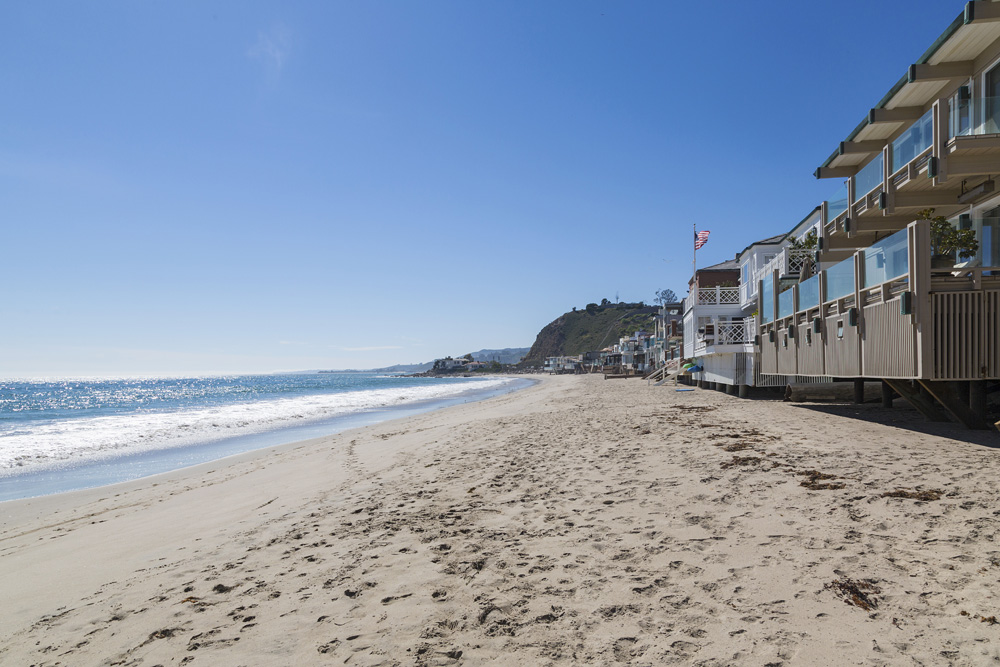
(191, 188)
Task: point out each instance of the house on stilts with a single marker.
(905, 278)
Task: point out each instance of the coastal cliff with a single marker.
(592, 328)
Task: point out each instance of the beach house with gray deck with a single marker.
(892, 297)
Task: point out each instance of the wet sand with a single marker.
(579, 521)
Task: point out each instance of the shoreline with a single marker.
(575, 522)
(66, 476)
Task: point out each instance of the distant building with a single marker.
(562, 364)
(448, 364)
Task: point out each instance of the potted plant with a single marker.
(807, 242)
(948, 243)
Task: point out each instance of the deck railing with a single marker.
(789, 261)
(890, 311)
(972, 117)
(869, 177)
(911, 143)
(717, 296)
(726, 332)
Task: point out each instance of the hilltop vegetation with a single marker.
(508, 355)
(580, 331)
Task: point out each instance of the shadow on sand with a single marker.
(903, 416)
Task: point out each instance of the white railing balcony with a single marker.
(777, 263)
(799, 258)
(739, 332)
(788, 262)
(718, 296)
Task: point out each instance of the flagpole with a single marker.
(694, 254)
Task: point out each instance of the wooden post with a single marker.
(744, 390)
(977, 398)
(821, 338)
(859, 391)
(964, 389)
(888, 185)
(859, 302)
(824, 213)
(850, 205)
(919, 398)
(919, 242)
(939, 139)
(887, 394)
(945, 394)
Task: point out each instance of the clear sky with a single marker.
(197, 187)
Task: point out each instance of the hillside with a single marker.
(582, 331)
(508, 355)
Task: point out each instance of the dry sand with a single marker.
(579, 521)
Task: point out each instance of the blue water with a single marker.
(69, 434)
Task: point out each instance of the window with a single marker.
(840, 328)
(991, 108)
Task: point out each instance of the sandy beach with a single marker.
(580, 521)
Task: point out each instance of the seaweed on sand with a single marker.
(858, 592)
(929, 494)
(743, 461)
(814, 482)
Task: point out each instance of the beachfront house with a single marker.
(668, 334)
(721, 317)
(449, 364)
(716, 332)
(897, 295)
(562, 364)
(791, 257)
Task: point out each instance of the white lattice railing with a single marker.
(717, 296)
(788, 262)
(740, 332)
(798, 258)
(735, 333)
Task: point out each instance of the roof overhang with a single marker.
(948, 62)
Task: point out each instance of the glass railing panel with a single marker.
(809, 293)
(985, 115)
(767, 299)
(987, 251)
(840, 280)
(972, 117)
(869, 178)
(988, 235)
(886, 259)
(959, 117)
(912, 143)
(837, 204)
(786, 303)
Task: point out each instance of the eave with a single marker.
(948, 62)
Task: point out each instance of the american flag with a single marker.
(700, 239)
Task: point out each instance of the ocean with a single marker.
(59, 435)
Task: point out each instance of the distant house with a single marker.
(448, 364)
(562, 364)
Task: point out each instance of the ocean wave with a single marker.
(55, 442)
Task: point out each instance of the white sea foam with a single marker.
(47, 443)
